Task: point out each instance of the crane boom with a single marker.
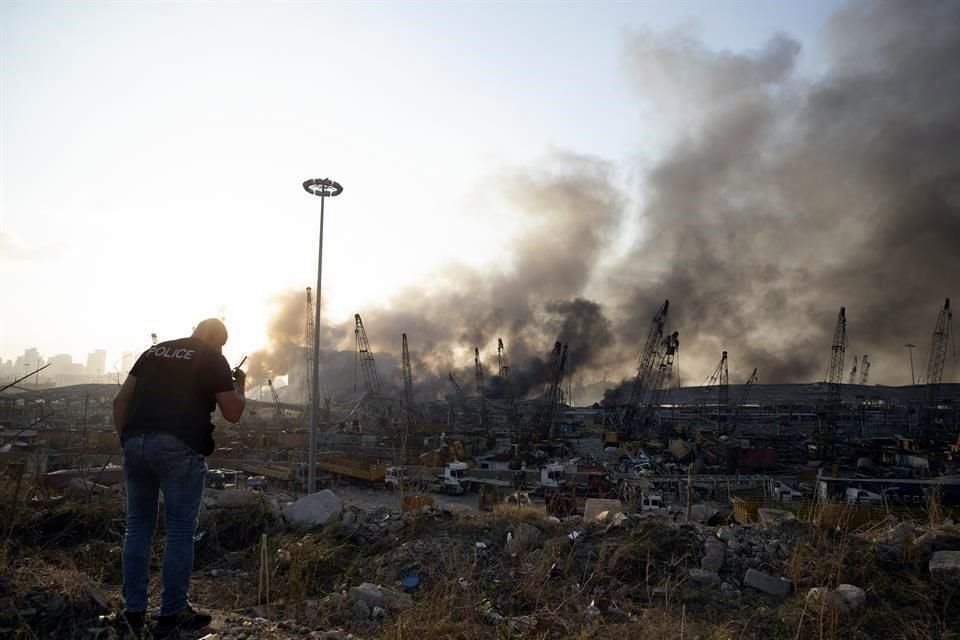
(864, 369)
(478, 373)
(721, 377)
(853, 372)
(549, 402)
(837, 351)
(276, 402)
(409, 406)
(503, 368)
(503, 365)
(369, 367)
(670, 345)
(641, 389)
(461, 398)
(935, 362)
(743, 399)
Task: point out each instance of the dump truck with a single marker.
(351, 467)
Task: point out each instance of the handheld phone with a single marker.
(237, 368)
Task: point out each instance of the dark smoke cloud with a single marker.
(784, 199)
(570, 209)
(779, 199)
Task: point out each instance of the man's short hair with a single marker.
(212, 331)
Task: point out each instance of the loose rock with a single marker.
(766, 583)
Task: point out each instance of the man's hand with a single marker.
(239, 378)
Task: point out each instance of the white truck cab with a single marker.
(553, 476)
(784, 492)
(395, 478)
(451, 481)
(652, 502)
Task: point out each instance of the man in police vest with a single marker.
(162, 415)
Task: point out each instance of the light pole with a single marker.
(910, 347)
(322, 187)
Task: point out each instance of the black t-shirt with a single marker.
(177, 383)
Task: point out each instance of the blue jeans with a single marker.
(155, 462)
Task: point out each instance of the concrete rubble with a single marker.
(846, 599)
(314, 510)
(766, 583)
(945, 567)
(485, 557)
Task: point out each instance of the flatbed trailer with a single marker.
(471, 483)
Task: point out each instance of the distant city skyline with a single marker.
(63, 369)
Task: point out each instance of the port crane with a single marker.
(369, 367)
(643, 382)
(929, 407)
(410, 408)
(864, 369)
(853, 372)
(503, 370)
(478, 374)
(461, 398)
(826, 429)
(744, 395)
(721, 378)
(549, 402)
(670, 346)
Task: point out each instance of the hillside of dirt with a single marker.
(452, 572)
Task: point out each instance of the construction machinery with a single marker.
(627, 418)
(930, 406)
(352, 467)
(670, 346)
(409, 407)
(864, 369)
(853, 372)
(824, 438)
(370, 377)
(278, 407)
(503, 370)
(478, 374)
(549, 403)
(744, 395)
(461, 400)
(835, 371)
(721, 378)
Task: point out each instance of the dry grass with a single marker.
(521, 513)
(639, 570)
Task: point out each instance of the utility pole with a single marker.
(323, 188)
(913, 378)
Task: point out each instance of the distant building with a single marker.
(29, 361)
(97, 364)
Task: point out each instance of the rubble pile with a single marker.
(337, 570)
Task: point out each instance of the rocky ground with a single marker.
(324, 568)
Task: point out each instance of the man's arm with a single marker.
(231, 403)
(121, 403)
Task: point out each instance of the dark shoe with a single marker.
(129, 624)
(184, 620)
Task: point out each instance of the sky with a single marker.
(151, 154)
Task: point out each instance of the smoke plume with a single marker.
(778, 199)
(784, 199)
